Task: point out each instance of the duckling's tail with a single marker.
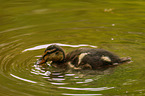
(125, 60)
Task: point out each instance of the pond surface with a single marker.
(27, 27)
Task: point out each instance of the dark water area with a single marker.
(27, 27)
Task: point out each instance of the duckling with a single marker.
(82, 58)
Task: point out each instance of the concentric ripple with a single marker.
(61, 79)
(18, 67)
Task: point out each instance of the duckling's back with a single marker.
(92, 58)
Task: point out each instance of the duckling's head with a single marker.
(52, 53)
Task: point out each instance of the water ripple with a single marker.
(30, 81)
(81, 94)
(18, 28)
(20, 65)
(88, 89)
(67, 45)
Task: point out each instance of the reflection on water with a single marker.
(59, 83)
(22, 79)
(82, 94)
(86, 81)
(46, 45)
(14, 29)
(88, 89)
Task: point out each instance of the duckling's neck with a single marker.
(59, 64)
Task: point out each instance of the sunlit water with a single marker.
(28, 27)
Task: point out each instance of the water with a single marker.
(27, 27)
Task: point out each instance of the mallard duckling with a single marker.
(82, 58)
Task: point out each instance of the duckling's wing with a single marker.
(73, 56)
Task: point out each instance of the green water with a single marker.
(114, 25)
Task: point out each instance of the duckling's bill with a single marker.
(40, 61)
